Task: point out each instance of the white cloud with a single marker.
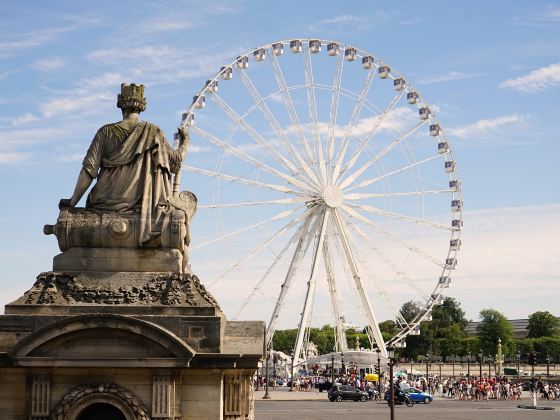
(11, 157)
(412, 21)
(156, 64)
(396, 121)
(510, 252)
(342, 20)
(536, 81)
(89, 94)
(49, 64)
(166, 25)
(485, 126)
(26, 118)
(10, 45)
(452, 75)
(544, 18)
(5, 74)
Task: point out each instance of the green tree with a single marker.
(388, 328)
(494, 326)
(543, 324)
(284, 340)
(409, 310)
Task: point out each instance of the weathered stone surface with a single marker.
(87, 260)
(170, 289)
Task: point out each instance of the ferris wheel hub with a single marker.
(332, 196)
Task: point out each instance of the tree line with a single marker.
(445, 335)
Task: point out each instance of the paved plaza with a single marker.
(314, 405)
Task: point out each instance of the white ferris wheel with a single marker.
(328, 191)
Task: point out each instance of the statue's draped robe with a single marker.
(133, 170)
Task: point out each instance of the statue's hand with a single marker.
(183, 135)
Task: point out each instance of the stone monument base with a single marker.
(150, 345)
(90, 260)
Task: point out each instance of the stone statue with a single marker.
(133, 164)
(135, 202)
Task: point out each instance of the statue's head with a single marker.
(131, 98)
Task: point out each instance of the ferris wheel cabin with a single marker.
(332, 49)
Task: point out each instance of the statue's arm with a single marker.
(83, 183)
(176, 156)
(184, 140)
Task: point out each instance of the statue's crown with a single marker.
(132, 96)
(132, 91)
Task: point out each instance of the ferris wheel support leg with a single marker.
(305, 315)
(301, 249)
(373, 325)
(340, 332)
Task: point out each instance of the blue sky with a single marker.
(491, 69)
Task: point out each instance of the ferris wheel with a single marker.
(328, 192)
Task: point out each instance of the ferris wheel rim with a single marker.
(456, 194)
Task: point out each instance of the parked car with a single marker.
(346, 392)
(418, 396)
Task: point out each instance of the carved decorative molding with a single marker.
(173, 289)
(238, 397)
(40, 396)
(74, 397)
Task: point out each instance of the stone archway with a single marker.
(98, 411)
(110, 397)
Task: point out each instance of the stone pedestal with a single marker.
(152, 345)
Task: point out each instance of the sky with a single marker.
(491, 70)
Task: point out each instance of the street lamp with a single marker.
(440, 363)
(391, 356)
(453, 359)
(469, 365)
(547, 366)
(332, 369)
(480, 357)
(266, 396)
(427, 367)
(342, 363)
(518, 355)
(378, 351)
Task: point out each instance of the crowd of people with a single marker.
(475, 389)
(461, 388)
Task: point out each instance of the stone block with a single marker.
(86, 260)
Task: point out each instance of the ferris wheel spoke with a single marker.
(386, 259)
(354, 214)
(257, 250)
(361, 147)
(377, 211)
(312, 105)
(295, 237)
(255, 203)
(259, 164)
(240, 180)
(257, 98)
(370, 181)
(353, 121)
(386, 150)
(278, 216)
(304, 242)
(334, 107)
(381, 290)
(335, 302)
(289, 104)
(310, 295)
(366, 305)
(237, 119)
(361, 196)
